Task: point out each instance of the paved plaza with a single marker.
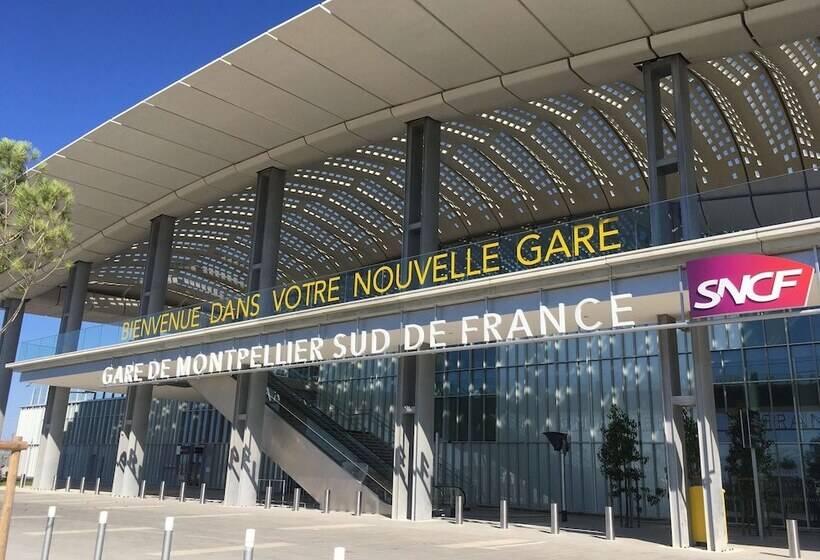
(217, 532)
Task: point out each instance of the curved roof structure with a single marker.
(543, 121)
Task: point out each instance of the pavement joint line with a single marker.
(485, 544)
(176, 553)
(504, 546)
(204, 515)
(90, 531)
(323, 527)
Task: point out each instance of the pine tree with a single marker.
(35, 220)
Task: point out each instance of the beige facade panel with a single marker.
(329, 41)
(180, 130)
(266, 57)
(795, 19)
(154, 148)
(592, 24)
(205, 109)
(706, 41)
(429, 47)
(503, 31)
(238, 87)
(542, 81)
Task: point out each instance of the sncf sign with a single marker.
(744, 283)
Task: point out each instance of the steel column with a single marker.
(128, 471)
(267, 229)
(667, 215)
(413, 448)
(712, 480)
(71, 321)
(673, 427)
(421, 190)
(8, 350)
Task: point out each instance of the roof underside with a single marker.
(521, 143)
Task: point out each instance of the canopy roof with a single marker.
(543, 121)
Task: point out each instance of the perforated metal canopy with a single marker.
(542, 112)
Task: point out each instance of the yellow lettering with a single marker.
(488, 258)
(533, 251)
(578, 239)
(559, 241)
(603, 233)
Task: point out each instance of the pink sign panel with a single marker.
(745, 283)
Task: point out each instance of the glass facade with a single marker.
(493, 404)
(768, 403)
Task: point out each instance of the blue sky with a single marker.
(68, 66)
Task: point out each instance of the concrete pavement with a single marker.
(217, 532)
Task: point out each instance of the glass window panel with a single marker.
(811, 470)
(803, 361)
(752, 333)
(808, 402)
(757, 366)
(799, 329)
(452, 419)
(463, 413)
(775, 331)
(476, 418)
(732, 366)
(778, 362)
(791, 481)
(490, 383)
(489, 418)
(784, 421)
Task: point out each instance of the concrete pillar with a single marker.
(716, 536)
(667, 215)
(8, 350)
(51, 434)
(245, 455)
(673, 429)
(414, 426)
(128, 470)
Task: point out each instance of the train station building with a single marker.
(385, 247)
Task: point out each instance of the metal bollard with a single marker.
(326, 504)
(359, 502)
(167, 537)
(459, 510)
(54, 484)
(609, 523)
(162, 491)
(52, 513)
(182, 491)
(554, 519)
(503, 515)
(98, 548)
(793, 537)
(250, 537)
(267, 496)
(68, 484)
(23, 480)
(97, 487)
(297, 495)
(202, 493)
(339, 553)
(142, 489)
(82, 485)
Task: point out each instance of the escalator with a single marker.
(364, 456)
